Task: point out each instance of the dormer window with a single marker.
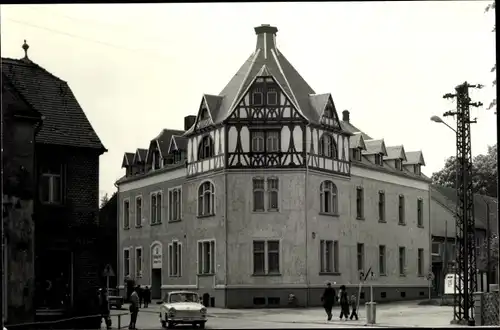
(156, 161)
(356, 154)
(206, 148)
(416, 169)
(272, 96)
(177, 156)
(379, 160)
(398, 164)
(258, 96)
(328, 112)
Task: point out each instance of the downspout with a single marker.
(488, 246)
(430, 230)
(306, 217)
(226, 230)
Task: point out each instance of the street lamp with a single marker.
(438, 119)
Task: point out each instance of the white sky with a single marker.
(139, 68)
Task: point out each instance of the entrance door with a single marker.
(156, 284)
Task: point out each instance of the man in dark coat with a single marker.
(146, 295)
(104, 307)
(328, 300)
(344, 303)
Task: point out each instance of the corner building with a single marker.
(268, 192)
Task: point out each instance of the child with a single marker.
(354, 306)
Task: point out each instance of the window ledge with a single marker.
(264, 275)
(59, 204)
(421, 275)
(156, 224)
(176, 220)
(420, 226)
(205, 215)
(401, 223)
(265, 211)
(175, 276)
(126, 228)
(360, 218)
(138, 226)
(382, 275)
(205, 274)
(335, 215)
(382, 221)
(330, 273)
(402, 275)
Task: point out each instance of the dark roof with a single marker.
(356, 141)
(267, 60)
(128, 158)
(349, 127)
(414, 157)
(140, 155)
(164, 138)
(375, 147)
(65, 123)
(448, 197)
(395, 152)
(180, 142)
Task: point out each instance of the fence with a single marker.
(68, 323)
(486, 308)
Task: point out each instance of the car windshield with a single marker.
(183, 297)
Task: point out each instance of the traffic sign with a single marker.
(108, 271)
(430, 276)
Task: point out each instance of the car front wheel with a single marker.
(202, 325)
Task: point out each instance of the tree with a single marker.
(493, 103)
(104, 200)
(482, 260)
(484, 173)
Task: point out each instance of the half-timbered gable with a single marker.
(414, 162)
(395, 157)
(205, 151)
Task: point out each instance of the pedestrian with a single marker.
(146, 296)
(141, 295)
(134, 308)
(354, 307)
(328, 300)
(104, 308)
(344, 303)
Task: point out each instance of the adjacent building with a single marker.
(51, 204)
(267, 192)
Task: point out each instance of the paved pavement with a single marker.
(406, 314)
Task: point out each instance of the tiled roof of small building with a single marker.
(64, 122)
(395, 152)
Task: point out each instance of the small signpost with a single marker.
(430, 278)
(108, 272)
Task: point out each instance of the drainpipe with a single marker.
(430, 230)
(225, 239)
(488, 246)
(306, 216)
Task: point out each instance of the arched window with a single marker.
(206, 199)
(206, 148)
(327, 146)
(328, 197)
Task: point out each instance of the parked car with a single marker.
(182, 307)
(115, 300)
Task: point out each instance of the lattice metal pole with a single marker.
(466, 280)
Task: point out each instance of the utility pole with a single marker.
(466, 283)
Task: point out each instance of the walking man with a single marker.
(328, 300)
(146, 295)
(134, 308)
(104, 308)
(354, 306)
(344, 303)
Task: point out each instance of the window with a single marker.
(329, 255)
(126, 214)
(265, 141)
(204, 114)
(51, 185)
(327, 146)
(272, 96)
(266, 257)
(328, 198)
(401, 217)
(138, 262)
(258, 194)
(178, 156)
(174, 204)
(272, 141)
(258, 96)
(206, 199)
(356, 154)
(138, 211)
(436, 248)
(361, 256)
(206, 257)
(126, 263)
(175, 259)
(381, 206)
(206, 148)
(328, 112)
(156, 208)
(379, 159)
(272, 194)
(381, 260)
(359, 203)
(398, 164)
(420, 268)
(416, 169)
(402, 261)
(156, 160)
(420, 212)
(257, 141)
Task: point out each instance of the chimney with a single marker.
(345, 115)
(266, 38)
(188, 122)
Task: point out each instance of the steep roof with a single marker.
(128, 159)
(65, 122)
(349, 127)
(356, 141)
(395, 152)
(448, 197)
(375, 147)
(140, 155)
(266, 60)
(164, 138)
(414, 157)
